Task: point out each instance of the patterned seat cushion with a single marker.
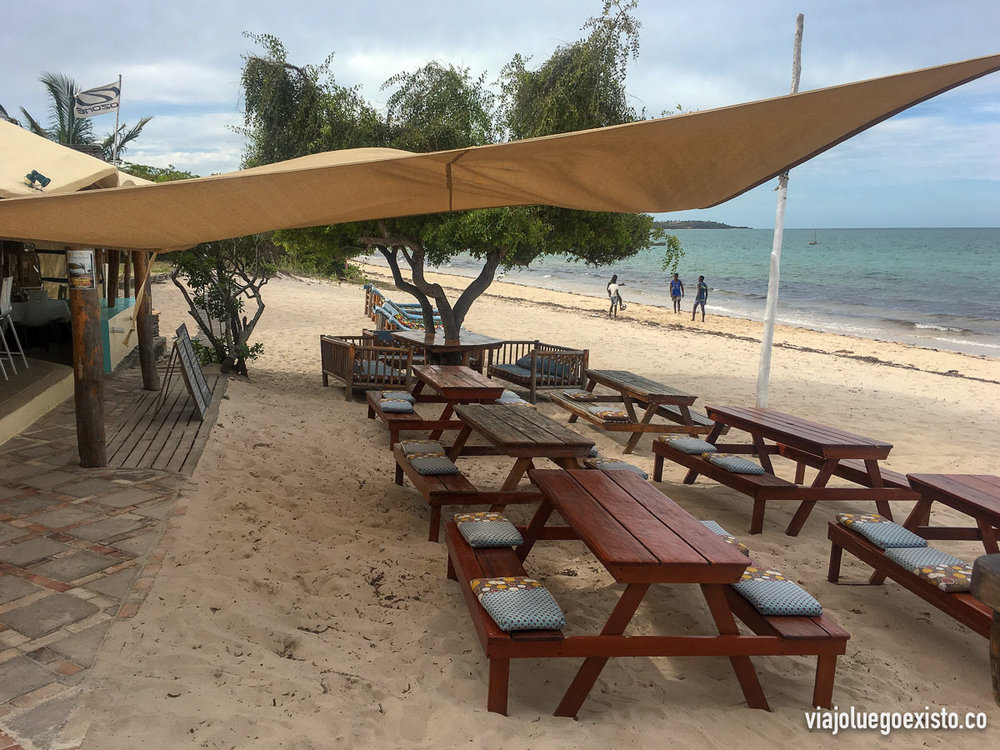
(735, 464)
(513, 372)
(488, 529)
(433, 465)
(913, 558)
(579, 395)
(952, 578)
(414, 448)
(771, 594)
(395, 406)
(691, 445)
(400, 396)
(608, 414)
(727, 537)
(613, 464)
(369, 369)
(510, 398)
(518, 603)
(880, 531)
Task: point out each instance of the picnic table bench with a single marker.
(832, 451)
(641, 538)
(635, 391)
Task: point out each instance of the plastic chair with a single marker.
(6, 308)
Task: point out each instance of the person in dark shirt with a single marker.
(700, 299)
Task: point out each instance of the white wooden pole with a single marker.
(771, 309)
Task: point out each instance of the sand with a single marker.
(300, 605)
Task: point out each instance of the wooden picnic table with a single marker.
(637, 392)
(453, 384)
(520, 432)
(643, 538)
(823, 446)
(440, 350)
(975, 495)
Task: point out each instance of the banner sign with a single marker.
(102, 100)
(80, 268)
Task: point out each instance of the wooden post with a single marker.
(986, 588)
(88, 357)
(127, 274)
(113, 269)
(144, 321)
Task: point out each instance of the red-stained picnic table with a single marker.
(832, 451)
(975, 495)
(522, 433)
(452, 385)
(643, 538)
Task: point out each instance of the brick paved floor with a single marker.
(78, 548)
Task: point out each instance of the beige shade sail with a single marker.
(22, 152)
(678, 163)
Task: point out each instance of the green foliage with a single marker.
(292, 111)
(438, 108)
(582, 85)
(205, 354)
(218, 279)
(673, 254)
(156, 174)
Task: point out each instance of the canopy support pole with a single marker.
(144, 322)
(88, 365)
(771, 309)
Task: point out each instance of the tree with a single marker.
(68, 129)
(290, 112)
(156, 174)
(217, 278)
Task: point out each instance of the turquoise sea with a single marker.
(937, 288)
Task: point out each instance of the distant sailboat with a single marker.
(813, 241)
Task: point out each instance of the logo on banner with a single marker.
(98, 101)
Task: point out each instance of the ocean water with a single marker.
(937, 288)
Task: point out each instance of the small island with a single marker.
(689, 224)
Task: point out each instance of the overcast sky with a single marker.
(937, 164)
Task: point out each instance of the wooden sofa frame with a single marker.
(572, 362)
(356, 361)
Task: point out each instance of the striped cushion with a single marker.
(727, 537)
(880, 531)
(608, 414)
(613, 464)
(412, 448)
(395, 406)
(770, 593)
(488, 529)
(433, 465)
(735, 464)
(399, 396)
(579, 395)
(691, 445)
(518, 603)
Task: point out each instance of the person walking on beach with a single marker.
(676, 292)
(615, 296)
(701, 298)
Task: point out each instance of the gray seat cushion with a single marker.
(518, 603)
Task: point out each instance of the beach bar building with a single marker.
(688, 161)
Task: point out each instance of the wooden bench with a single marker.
(759, 487)
(851, 469)
(577, 409)
(797, 636)
(466, 563)
(396, 422)
(453, 489)
(360, 363)
(962, 606)
(800, 636)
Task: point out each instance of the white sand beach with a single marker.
(300, 605)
